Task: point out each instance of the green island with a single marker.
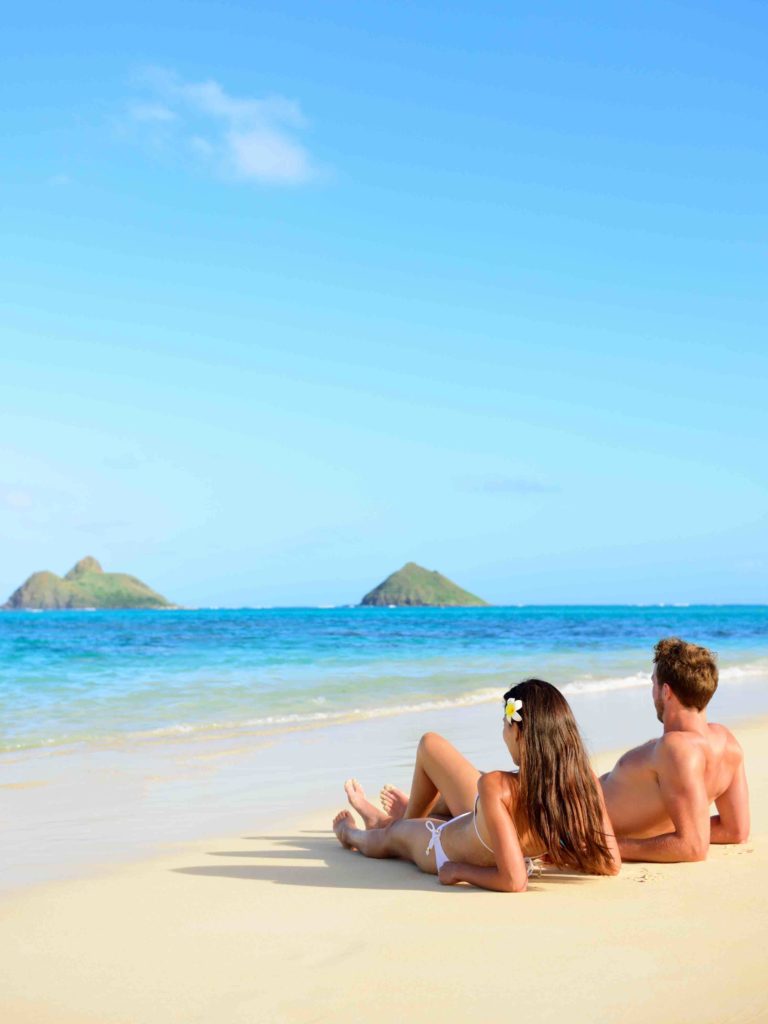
(86, 585)
(417, 587)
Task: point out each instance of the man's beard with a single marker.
(659, 711)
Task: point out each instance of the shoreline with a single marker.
(117, 677)
(273, 726)
(70, 814)
(282, 924)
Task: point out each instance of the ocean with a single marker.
(93, 678)
(121, 732)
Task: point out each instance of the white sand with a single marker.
(286, 926)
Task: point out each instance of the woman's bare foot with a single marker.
(341, 823)
(372, 816)
(394, 801)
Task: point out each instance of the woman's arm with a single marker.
(510, 873)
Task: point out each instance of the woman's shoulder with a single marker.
(498, 784)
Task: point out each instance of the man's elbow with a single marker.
(694, 850)
(731, 835)
(738, 835)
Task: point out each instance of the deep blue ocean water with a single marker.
(84, 677)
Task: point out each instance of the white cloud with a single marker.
(268, 155)
(237, 137)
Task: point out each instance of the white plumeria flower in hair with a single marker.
(512, 710)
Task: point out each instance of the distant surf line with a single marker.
(282, 723)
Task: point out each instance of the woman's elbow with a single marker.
(509, 883)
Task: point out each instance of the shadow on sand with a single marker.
(293, 860)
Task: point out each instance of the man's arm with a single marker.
(731, 823)
(680, 768)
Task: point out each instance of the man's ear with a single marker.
(666, 691)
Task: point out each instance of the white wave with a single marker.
(756, 668)
(320, 717)
(586, 684)
(590, 685)
(577, 686)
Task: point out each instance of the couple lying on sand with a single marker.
(653, 806)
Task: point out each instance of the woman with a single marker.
(553, 806)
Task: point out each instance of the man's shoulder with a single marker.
(716, 729)
(679, 739)
(717, 739)
(645, 748)
(638, 756)
(727, 742)
(674, 749)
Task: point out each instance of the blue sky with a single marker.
(295, 293)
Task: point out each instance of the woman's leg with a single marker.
(395, 801)
(373, 817)
(407, 840)
(441, 771)
(444, 784)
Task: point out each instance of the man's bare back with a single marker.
(634, 790)
(659, 795)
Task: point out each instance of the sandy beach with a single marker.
(282, 924)
(372, 370)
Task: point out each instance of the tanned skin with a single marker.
(442, 776)
(658, 795)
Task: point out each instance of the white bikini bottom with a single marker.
(435, 843)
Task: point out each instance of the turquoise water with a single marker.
(84, 677)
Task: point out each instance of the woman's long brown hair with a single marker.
(558, 799)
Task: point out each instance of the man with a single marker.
(659, 795)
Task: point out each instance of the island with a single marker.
(86, 585)
(414, 586)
